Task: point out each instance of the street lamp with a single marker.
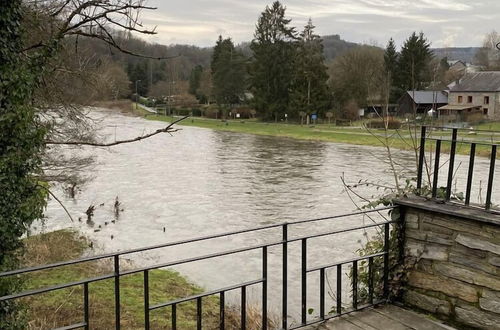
(136, 94)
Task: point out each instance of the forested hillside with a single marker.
(176, 71)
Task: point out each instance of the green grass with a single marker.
(64, 307)
(323, 132)
(329, 133)
(491, 126)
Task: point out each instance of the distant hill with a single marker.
(334, 46)
(465, 54)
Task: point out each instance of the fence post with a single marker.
(436, 169)
(146, 299)
(452, 163)
(491, 176)
(284, 302)
(304, 280)
(117, 291)
(386, 260)
(264, 288)
(421, 158)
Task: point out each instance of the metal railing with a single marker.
(263, 280)
(453, 141)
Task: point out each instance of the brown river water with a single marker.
(199, 182)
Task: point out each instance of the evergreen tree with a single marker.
(310, 90)
(272, 71)
(139, 73)
(391, 58)
(195, 80)
(413, 64)
(228, 73)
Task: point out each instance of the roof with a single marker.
(428, 97)
(488, 81)
(458, 107)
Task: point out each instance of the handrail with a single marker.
(186, 241)
(262, 280)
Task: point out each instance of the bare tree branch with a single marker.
(167, 129)
(58, 200)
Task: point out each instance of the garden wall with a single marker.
(454, 258)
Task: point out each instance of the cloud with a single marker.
(445, 22)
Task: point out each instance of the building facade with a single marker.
(421, 102)
(475, 93)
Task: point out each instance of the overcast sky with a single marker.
(453, 23)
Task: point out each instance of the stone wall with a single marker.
(454, 255)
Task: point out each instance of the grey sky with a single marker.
(454, 23)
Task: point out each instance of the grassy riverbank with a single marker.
(401, 139)
(64, 307)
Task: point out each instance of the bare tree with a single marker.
(72, 77)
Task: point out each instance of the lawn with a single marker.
(65, 307)
(359, 135)
(399, 139)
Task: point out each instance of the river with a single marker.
(198, 182)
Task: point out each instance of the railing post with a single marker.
(339, 289)
(146, 299)
(86, 305)
(304, 280)
(491, 176)
(322, 293)
(264, 288)
(370, 280)
(199, 314)
(222, 317)
(243, 307)
(284, 310)
(117, 291)
(421, 159)
(452, 163)
(470, 173)
(174, 317)
(355, 285)
(436, 169)
(386, 260)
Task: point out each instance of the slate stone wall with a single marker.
(455, 261)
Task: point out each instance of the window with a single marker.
(486, 100)
(485, 111)
(460, 99)
(469, 99)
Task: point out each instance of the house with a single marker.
(475, 93)
(421, 102)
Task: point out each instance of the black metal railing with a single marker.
(242, 287)
(445, 193)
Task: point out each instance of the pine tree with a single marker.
(272, 70)
(195, 80)
(413, 64)
(310, 90)
(391, 58)
(228, 73)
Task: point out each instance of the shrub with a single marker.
(392, 123)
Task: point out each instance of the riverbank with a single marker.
(401, 139)
(64, 307)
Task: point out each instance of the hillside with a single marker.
(465, 54)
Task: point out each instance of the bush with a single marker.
(392, 123)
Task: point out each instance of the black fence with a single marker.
(431, 167)
(377, 292)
